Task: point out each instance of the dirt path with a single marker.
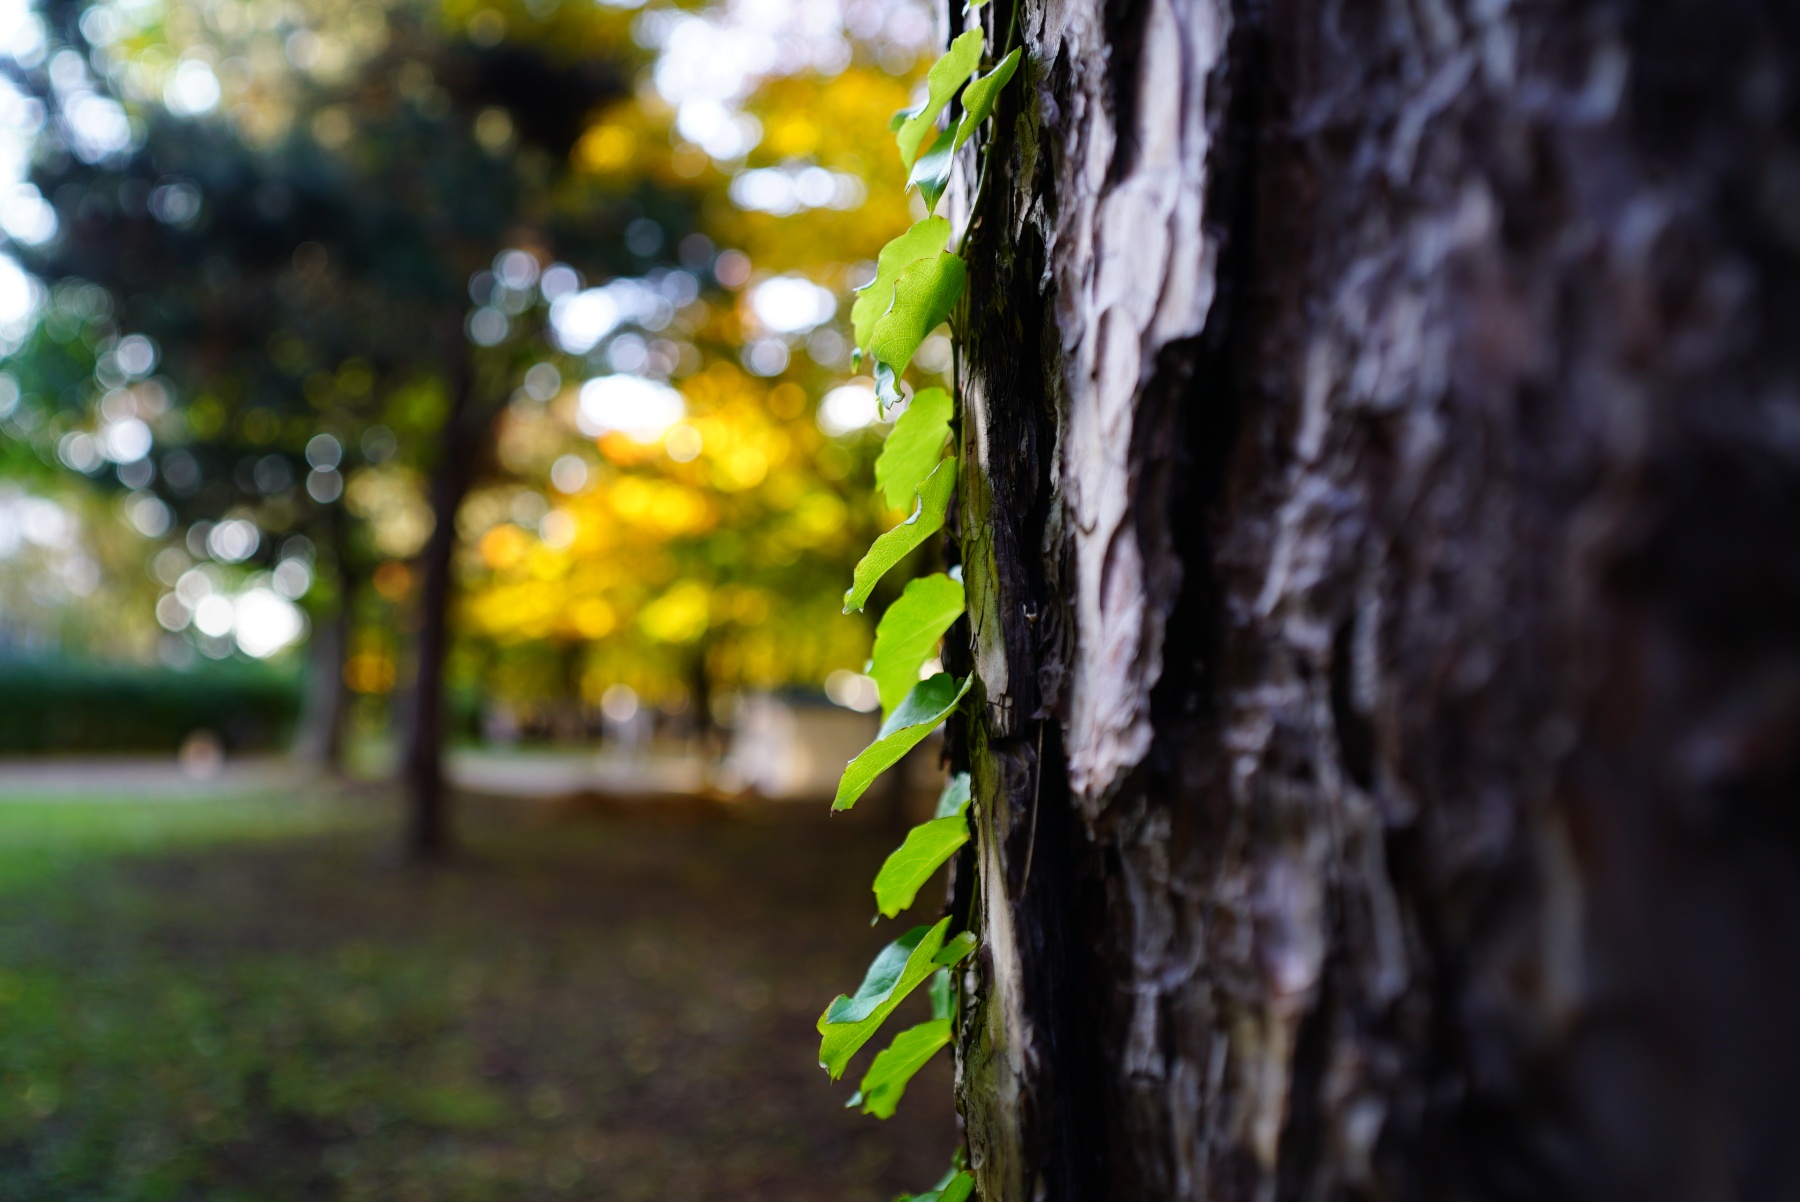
(600, 1009)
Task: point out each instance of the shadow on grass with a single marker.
(242, 999)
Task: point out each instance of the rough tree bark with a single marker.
(1382, 458)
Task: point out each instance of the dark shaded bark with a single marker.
(460, 451)
(1381, 466)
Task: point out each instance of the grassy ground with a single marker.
(244, 999)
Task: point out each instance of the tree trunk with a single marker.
(452, 474)
(1382, 458)
(321, 742)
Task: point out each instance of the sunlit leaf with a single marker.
(909, 634)
(946, 75)
(924, 295)
(913, 446)
(925, 239)
(955, 797)
(926, 848)
(901, 966)
(931, 173)
(929, 703)
(894, 545)
(893, 1068)
(979, 97)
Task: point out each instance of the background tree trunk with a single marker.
(459, 452)
(321, 741)
(1382, 463)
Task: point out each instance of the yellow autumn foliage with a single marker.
(724, 544)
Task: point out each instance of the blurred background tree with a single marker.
(483, 363)
(357, 310)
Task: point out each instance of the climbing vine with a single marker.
(918, 283)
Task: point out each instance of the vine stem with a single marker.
(1037, 784)
(960, 319)
(956, 396)
(981, 177)
(1012, 27)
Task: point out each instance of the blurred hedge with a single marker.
(52, 706)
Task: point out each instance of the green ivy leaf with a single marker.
(924, 295)
(955, 797)
(924, 239)
(955, 950)
(931, 173)
(913, 446)
(959, 1190)
(918, 954)
(848, 1022)
(940, 993)
(896, 544)
(893, 1068)
(931, 1194)
(946, 75)
(957, 1186)
(886, 971)
(929, 703)
(979, 97)
(905, 871)
(909, 633)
